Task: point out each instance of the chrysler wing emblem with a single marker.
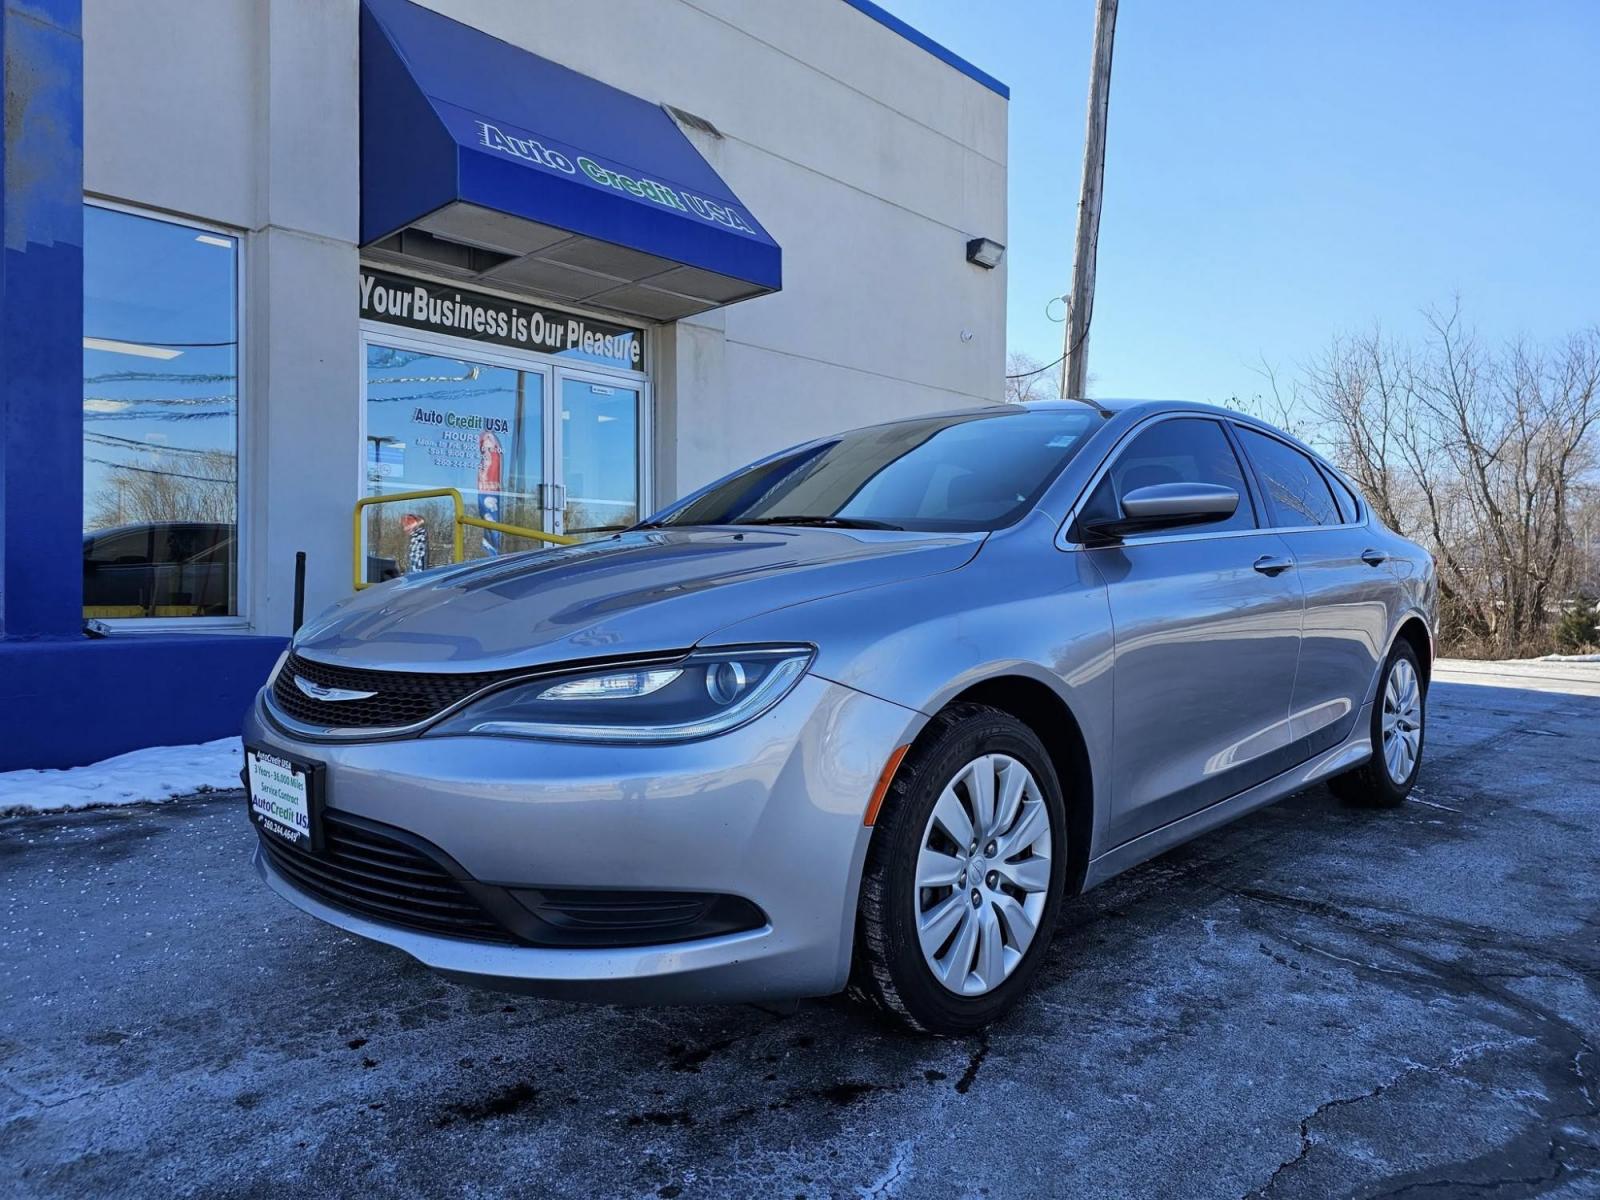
(317, 692)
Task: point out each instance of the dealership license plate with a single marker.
(283, 796)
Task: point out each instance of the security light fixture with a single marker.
(985, 252)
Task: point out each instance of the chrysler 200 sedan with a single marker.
(863, 714)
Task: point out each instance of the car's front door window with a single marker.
(1182, 450)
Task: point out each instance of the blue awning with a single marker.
(491, 163)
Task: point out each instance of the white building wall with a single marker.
(244, 113)
(869, 160)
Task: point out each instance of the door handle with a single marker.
(1374, 558)
(1271, 564)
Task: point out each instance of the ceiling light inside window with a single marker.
(112, 346)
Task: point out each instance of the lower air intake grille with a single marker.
(397, 878)
(367, 872)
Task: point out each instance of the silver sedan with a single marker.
(862, 714)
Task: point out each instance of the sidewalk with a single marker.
(1536, 675)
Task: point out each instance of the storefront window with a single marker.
(434, 421)
(160, 418)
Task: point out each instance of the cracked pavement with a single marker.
(1315, 1001)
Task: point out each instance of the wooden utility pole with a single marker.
(1080, 302)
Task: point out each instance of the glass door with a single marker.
(600, 475)
(435, 421)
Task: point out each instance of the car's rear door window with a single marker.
(1297, 495)
(1349, 506)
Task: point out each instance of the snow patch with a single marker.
(155, 773)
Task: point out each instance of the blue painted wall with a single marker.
(64, 698)
(68, 702)
(41, 321)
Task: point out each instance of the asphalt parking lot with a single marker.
(1314, 1002)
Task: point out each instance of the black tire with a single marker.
(890, 971)
(1370, 785)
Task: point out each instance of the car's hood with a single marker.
(639, 592)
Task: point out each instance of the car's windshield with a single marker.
(971, 471)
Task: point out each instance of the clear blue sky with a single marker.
(1281, 171)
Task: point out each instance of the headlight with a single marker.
(707, 693)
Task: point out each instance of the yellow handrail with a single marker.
(461, 520)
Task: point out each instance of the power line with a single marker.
(160, 377)
(106, 462)
(157, 416)
(1036, 370)
(139, 444)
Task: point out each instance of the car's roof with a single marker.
(1124, 404)
(1107, 407)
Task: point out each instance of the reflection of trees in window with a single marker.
(592, 516)
(166, 485)
(146, 479)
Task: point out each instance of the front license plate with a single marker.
(283, 796)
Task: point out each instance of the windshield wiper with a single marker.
(826, 522)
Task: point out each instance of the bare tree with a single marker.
(1482, 455)
(1027, 379)
(1275, 405)
(1586, 533)
(187, 485)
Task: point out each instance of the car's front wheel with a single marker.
(964, 873)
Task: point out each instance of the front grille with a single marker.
(368, 872)
(402, 697)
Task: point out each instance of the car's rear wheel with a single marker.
(1398, 720)
(964, 874)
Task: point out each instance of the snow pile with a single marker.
(1590, 658)
(156, 773)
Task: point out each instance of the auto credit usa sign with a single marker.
(531, 150)
(445, 308)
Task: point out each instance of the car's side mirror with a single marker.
(1165, 506)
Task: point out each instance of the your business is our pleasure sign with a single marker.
(445, 308)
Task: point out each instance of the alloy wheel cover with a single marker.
(1402, 721)
(983, 874)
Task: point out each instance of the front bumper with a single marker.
(771, 812)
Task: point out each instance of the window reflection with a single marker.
(160, 418)
(599, 456)
(439, 422)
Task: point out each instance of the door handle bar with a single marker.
(1374, 558)
(1271, 564)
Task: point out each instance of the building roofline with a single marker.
(917, 38)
